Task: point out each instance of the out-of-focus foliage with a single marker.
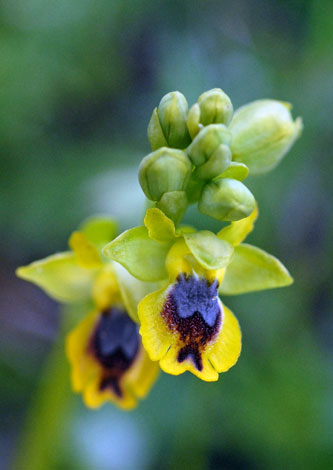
(78, 83)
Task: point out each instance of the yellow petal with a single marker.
(86, 253)
(159, 226)
(99, 230)
(237, 231)
(106, 289)
(156, 337)
(227, 347)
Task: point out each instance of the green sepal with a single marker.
(155, 133)
(61, 277)
(252, 269)
(143, 257)
(132, 290)
(99, 229)
(159, 226)
(236, 171)
(209, 251)
(193, 120)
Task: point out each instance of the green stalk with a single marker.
(43, 431)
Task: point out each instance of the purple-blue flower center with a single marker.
(115, 344)
(193, 310)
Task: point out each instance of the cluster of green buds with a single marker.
(202, 154)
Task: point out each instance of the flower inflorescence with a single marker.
(156, 288)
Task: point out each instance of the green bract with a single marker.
(226, 199)
(163, 171)
(262, 133)
(167, 126)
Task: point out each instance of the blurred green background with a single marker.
(78, 82)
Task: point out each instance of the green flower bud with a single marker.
(210, 151)
(163, 171)
(262, 133)
(212, 107)
(226, 199)
(174, 205)
(167, 126)
(215, 107)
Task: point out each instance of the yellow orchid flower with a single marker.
(105, 351)
(108, 361)
(184, 324)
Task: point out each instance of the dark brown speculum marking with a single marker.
(193, 310)
(114, 344)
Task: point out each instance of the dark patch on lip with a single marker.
(115, 344)
(192, 352)
(193, 310)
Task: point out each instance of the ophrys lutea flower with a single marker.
(108, 361)
(184, 324)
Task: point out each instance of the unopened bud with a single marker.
(167, 126)
(210, 151)
(212, 107)
(226, 200)
(262, 133)
(163, 171)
